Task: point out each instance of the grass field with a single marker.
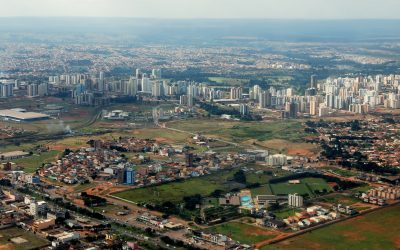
(342, 172)
(286, 212)
(33, 242)
(306, 186)
(175, 191)
(204, 186)
(242, 131)
(31, 163)
(288, 147)
(376, 230)
(344, 199)
(229, 81)
(244, 233)
(161, 135)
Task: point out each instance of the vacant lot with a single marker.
(289, 147)
(31, 241)
(244, 233)
(161, 135)
(243, 131)
(376, 230)
(344, 199)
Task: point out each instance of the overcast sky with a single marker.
(291, 9)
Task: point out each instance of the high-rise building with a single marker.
(43, 89)
(314, 104)
(255, 92)
(190, 101)
(295, 200)
(156, 73)
(183, 100)
(313, 81)
(291, 109)
(38, 208)
(236, 93)
(146, 84)
(156, 90)
(131, 87)
(264, 99)
(126, 176)
(6, 89)
(189, 157)
(138, 74)
(244, 110)
(32, 90)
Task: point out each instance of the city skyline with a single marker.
(264, 9)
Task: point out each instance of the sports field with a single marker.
(376, 230)
(27, 240)
(244, 233)
(306, 186)
(33, 162)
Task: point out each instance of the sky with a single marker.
(280, 9)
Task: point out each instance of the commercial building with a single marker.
(65, 237)
(21, 115)
(43, 224)
(13, 155)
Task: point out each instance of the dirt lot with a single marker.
(287, 147)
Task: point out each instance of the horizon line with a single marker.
(212, 18)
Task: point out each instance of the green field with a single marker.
(229, 81)
(376, 230)
(342, 172)
(242, 131)
(33, 162)
(168, 136)
(244, 233)
(33, 242)
(306, 186)
(175, 191)
(344, 199)
(205, 185)
(286, 212)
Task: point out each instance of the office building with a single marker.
(126, 176)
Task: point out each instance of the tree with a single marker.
(217, 193)
(240, 177)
